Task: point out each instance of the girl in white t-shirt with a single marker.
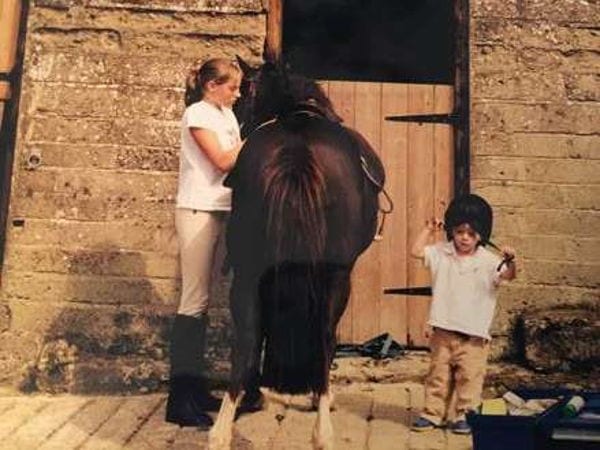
(464, 277)
(210, 144)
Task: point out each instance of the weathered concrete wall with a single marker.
(91, 264)
(536, 145)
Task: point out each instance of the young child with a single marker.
(464, 279)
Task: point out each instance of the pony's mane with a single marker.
(289, 93)
(272, 92)
(307, 93)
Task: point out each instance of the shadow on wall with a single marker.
(114, 335)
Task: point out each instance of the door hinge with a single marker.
(452, 118)
(424, 291)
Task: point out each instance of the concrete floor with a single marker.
(370, 416)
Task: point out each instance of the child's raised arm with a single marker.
(418, 248)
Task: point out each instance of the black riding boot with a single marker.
(189, 396)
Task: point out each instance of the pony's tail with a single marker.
(293, 290)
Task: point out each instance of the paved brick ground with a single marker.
(367, 416)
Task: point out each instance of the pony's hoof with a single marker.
(322, 439)
(321, 445)
(218, 442)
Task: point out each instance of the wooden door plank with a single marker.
(443, 151)
(394, 145)
(342, 95)
(419, 166)
(420, 202)
(366, 280)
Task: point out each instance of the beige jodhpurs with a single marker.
(458, 361)
(197, 234)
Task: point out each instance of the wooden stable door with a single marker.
(418, 159)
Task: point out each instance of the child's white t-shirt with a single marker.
(464, 289)
(200, 184)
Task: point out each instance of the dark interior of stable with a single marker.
(411, 41)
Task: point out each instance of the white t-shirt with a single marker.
(464, 289)
(200, 183)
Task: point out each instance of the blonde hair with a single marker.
(219, 70)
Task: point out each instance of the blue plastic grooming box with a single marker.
(581, 432)
(495, 432)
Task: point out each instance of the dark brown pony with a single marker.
(305, 202)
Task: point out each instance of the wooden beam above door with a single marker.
(273, 42)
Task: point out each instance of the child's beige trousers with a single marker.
(458, 365)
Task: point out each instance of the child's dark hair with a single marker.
(219, 70)
(471, 209)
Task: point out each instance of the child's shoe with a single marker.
(422, 424)
(460, 427)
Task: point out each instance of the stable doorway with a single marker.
(378, 60)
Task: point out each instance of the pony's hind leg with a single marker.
(219, 436)
(323, 431)
(314, 401)
(339, 291)
(247, 348)
(245, 312)
(253, 399)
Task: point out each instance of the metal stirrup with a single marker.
(384, 211)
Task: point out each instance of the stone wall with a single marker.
(90, 279)
(535, 72)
